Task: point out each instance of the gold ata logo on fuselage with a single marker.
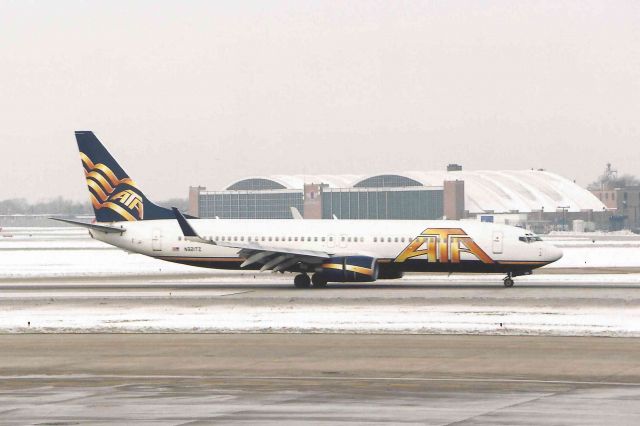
(443, 245)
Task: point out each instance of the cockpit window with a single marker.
(529, 238)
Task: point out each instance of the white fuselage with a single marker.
(445, 244)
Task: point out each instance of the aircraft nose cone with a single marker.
(554, 253)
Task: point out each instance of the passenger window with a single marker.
(315, 238)
(330, 238)
(341, 238)
(241, 238)
(395, 239)
(375, 240)
(402, 239)
(388, 239)
(322, 239)
(349, 239)
(270, 238)
(295, 238)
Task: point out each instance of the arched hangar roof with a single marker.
(293, 181)
(508, 190)
(499, 191)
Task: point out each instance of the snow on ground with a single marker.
(445, 319)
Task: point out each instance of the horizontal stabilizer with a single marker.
(102, 228)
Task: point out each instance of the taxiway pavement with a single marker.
(320, 379)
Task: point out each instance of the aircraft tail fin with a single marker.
(114, 195)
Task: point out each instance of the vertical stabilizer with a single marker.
(114, 195)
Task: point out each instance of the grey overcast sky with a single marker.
(190, 92)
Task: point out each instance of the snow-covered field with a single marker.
(450, 319)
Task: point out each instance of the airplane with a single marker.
(316, 251)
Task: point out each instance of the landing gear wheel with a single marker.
(302, 281)
(508, 282)
(318, 281)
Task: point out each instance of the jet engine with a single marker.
(349, 269)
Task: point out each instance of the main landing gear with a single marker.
(303, 281)
(318, 281)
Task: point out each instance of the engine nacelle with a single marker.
(349, 269)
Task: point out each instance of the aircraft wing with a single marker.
(278, 259)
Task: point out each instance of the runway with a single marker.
(319, 379)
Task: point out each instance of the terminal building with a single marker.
(536, 199)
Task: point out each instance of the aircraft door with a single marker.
(156, 239)
(497, 242)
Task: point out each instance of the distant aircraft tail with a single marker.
(114, 195)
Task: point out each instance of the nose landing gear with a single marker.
(508, 280)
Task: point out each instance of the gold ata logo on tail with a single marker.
(443, 245)
(102, 183)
